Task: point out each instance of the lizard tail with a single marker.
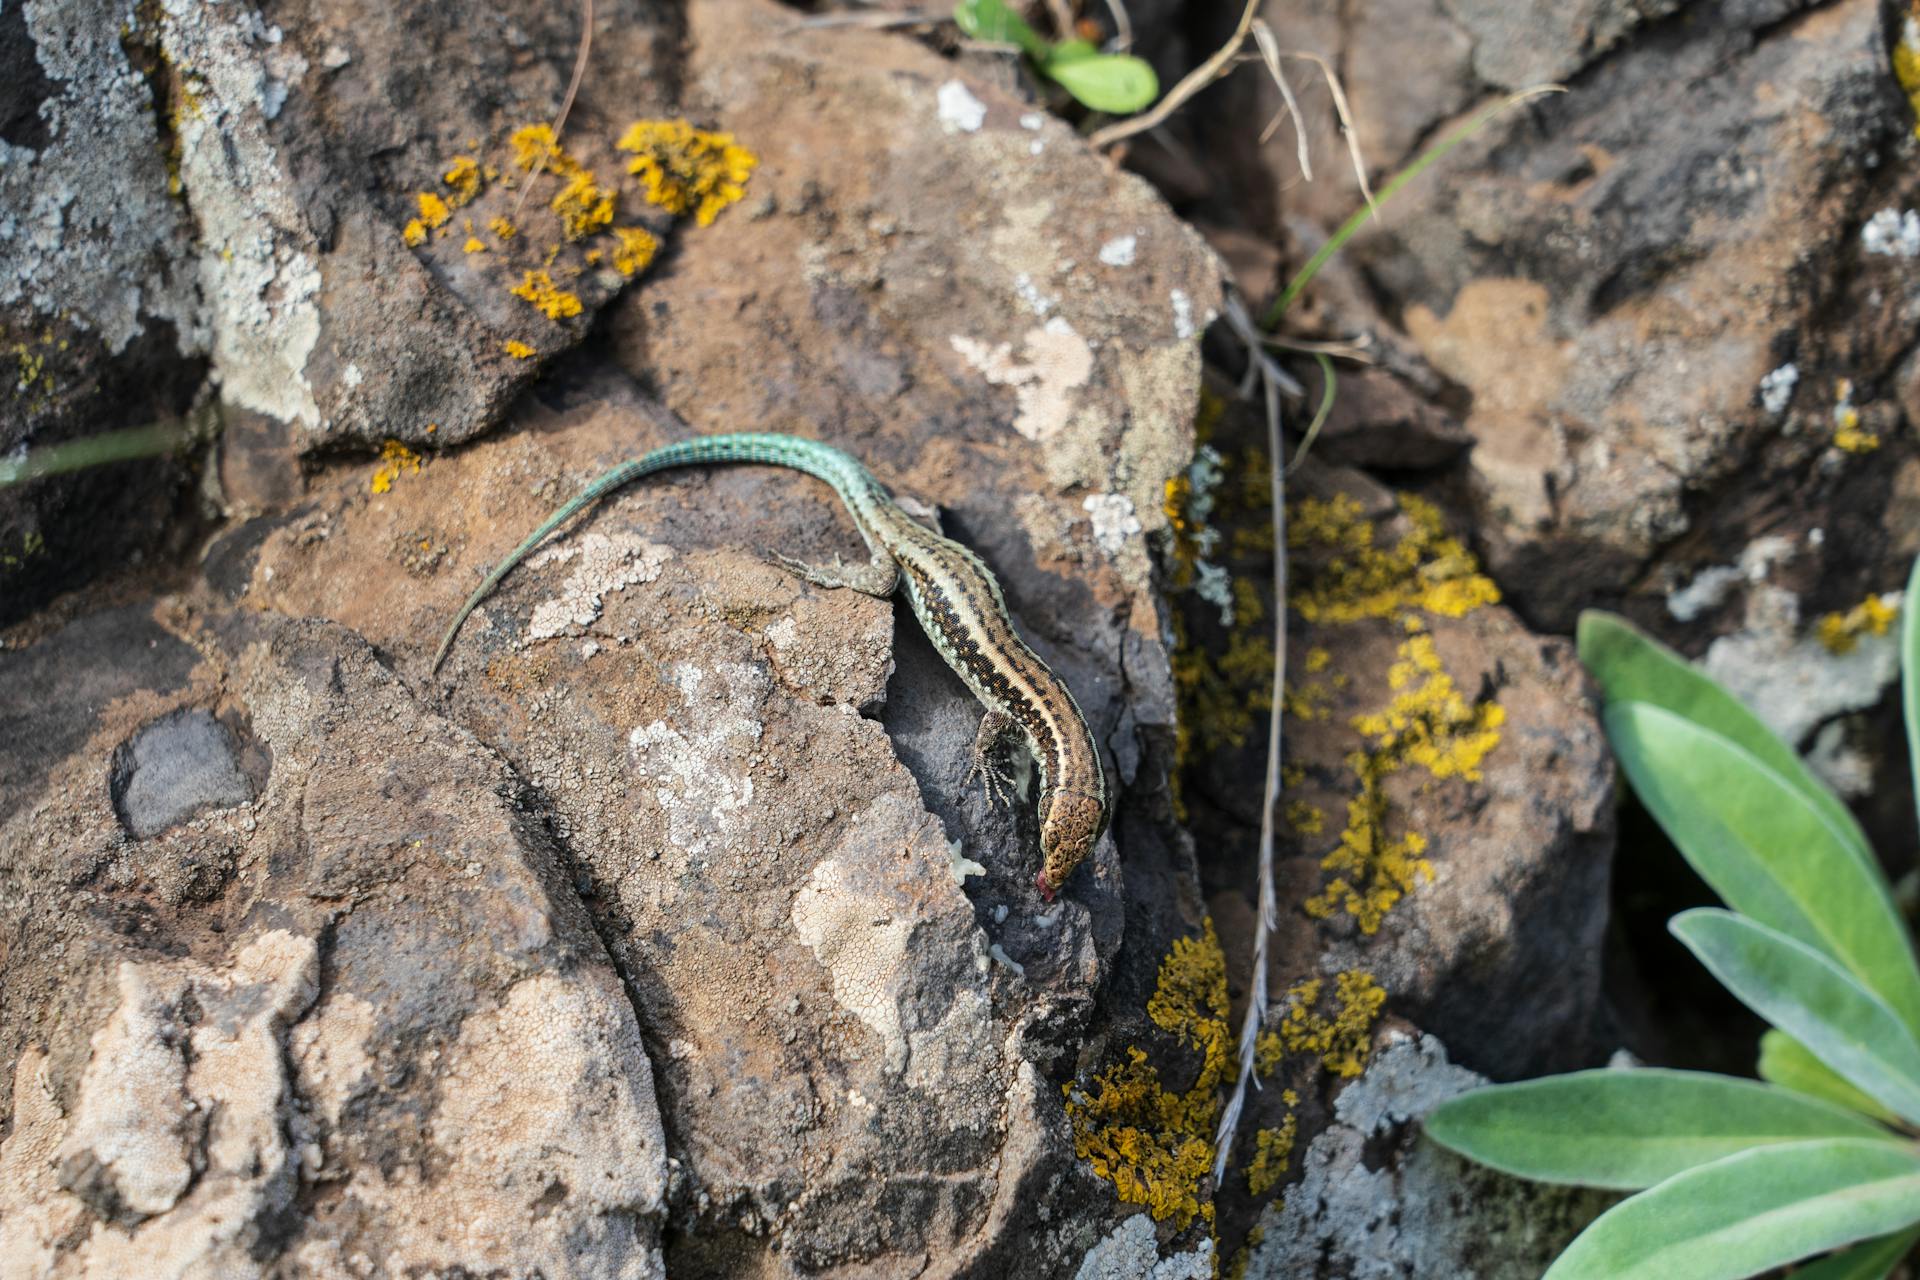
(838, 469)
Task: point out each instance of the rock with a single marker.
(689, 887)
(391, 1004)
(173, 768)
(1378, 1200)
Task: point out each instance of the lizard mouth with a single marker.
(1040, 883)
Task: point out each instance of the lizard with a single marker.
(958, 603)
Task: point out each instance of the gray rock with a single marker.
(173, 768)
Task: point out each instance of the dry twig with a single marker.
(1190, 84)
(566, 103)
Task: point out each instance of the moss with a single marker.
(547, 298)
(1153, 1144)
(687, 170)
(1840, 632)
(395, 458)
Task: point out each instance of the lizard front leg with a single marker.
(994, 728)
(877, 577)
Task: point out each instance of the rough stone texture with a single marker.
(352, 1022)
(175, 767)
(714, 886)
(1377, 1201)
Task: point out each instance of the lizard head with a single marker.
(1070, 824)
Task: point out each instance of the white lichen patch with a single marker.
(212, 1090)
(1776, 389)
(1413, 1210)
(1182, 314)
(258, 269)
(1113, 519)
(1119, 251)
(332, 1052)
(605, 564)
(509, 1131)
(1792, 681)
(1892, 233)
(1709, 588)
(35, 1214)
(863, 947)
(1131, 1251)
(704, 794)
(1055, 362)
(88, 229)
(960, 111)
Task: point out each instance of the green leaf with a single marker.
(991, 21)
(1789, 1064)
(1910, 669)
(1868, 1260)
(1811, 998)
(1117, 83)
(1071, 51)
(1765, 848)
(1630, 1129)
(1631, 666)
(1753, 1210)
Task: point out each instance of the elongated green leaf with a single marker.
(993, 22)
(1910, 669)
(1753, 1210)
(1788, 1063)
(1868, 1260)
(1631, 666)
(1812, 999)
(1117, 83)
(1765, 848)
(1630, 1129)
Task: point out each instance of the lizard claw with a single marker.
(999, 786)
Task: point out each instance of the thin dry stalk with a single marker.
(1061, 11)
(566, 103)
(1122, 25)
(1270, 54)
(872, 21)
(1271, 387)
(1347, 131)
(1190, 84)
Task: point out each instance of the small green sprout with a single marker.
(1737, 1177)
(1117, 83)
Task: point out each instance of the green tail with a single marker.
(838, 469)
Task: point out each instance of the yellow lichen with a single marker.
(463, 176)
(549, 299)
(687, 170)
(1430, 723)
(519, 350)
(503, 228)
(474, 244)
(634, 250)
(535, 146)
(1272, 1151)
(584, 205)
(1840, 632)
(1341, 1042)
(1906, 61)
(1426, 569)
(395, 458)
(1372, 870)
(433, 210)
(1305, 819)
(1154, 1145)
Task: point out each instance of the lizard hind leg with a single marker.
(995, 726)
(877, 577)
